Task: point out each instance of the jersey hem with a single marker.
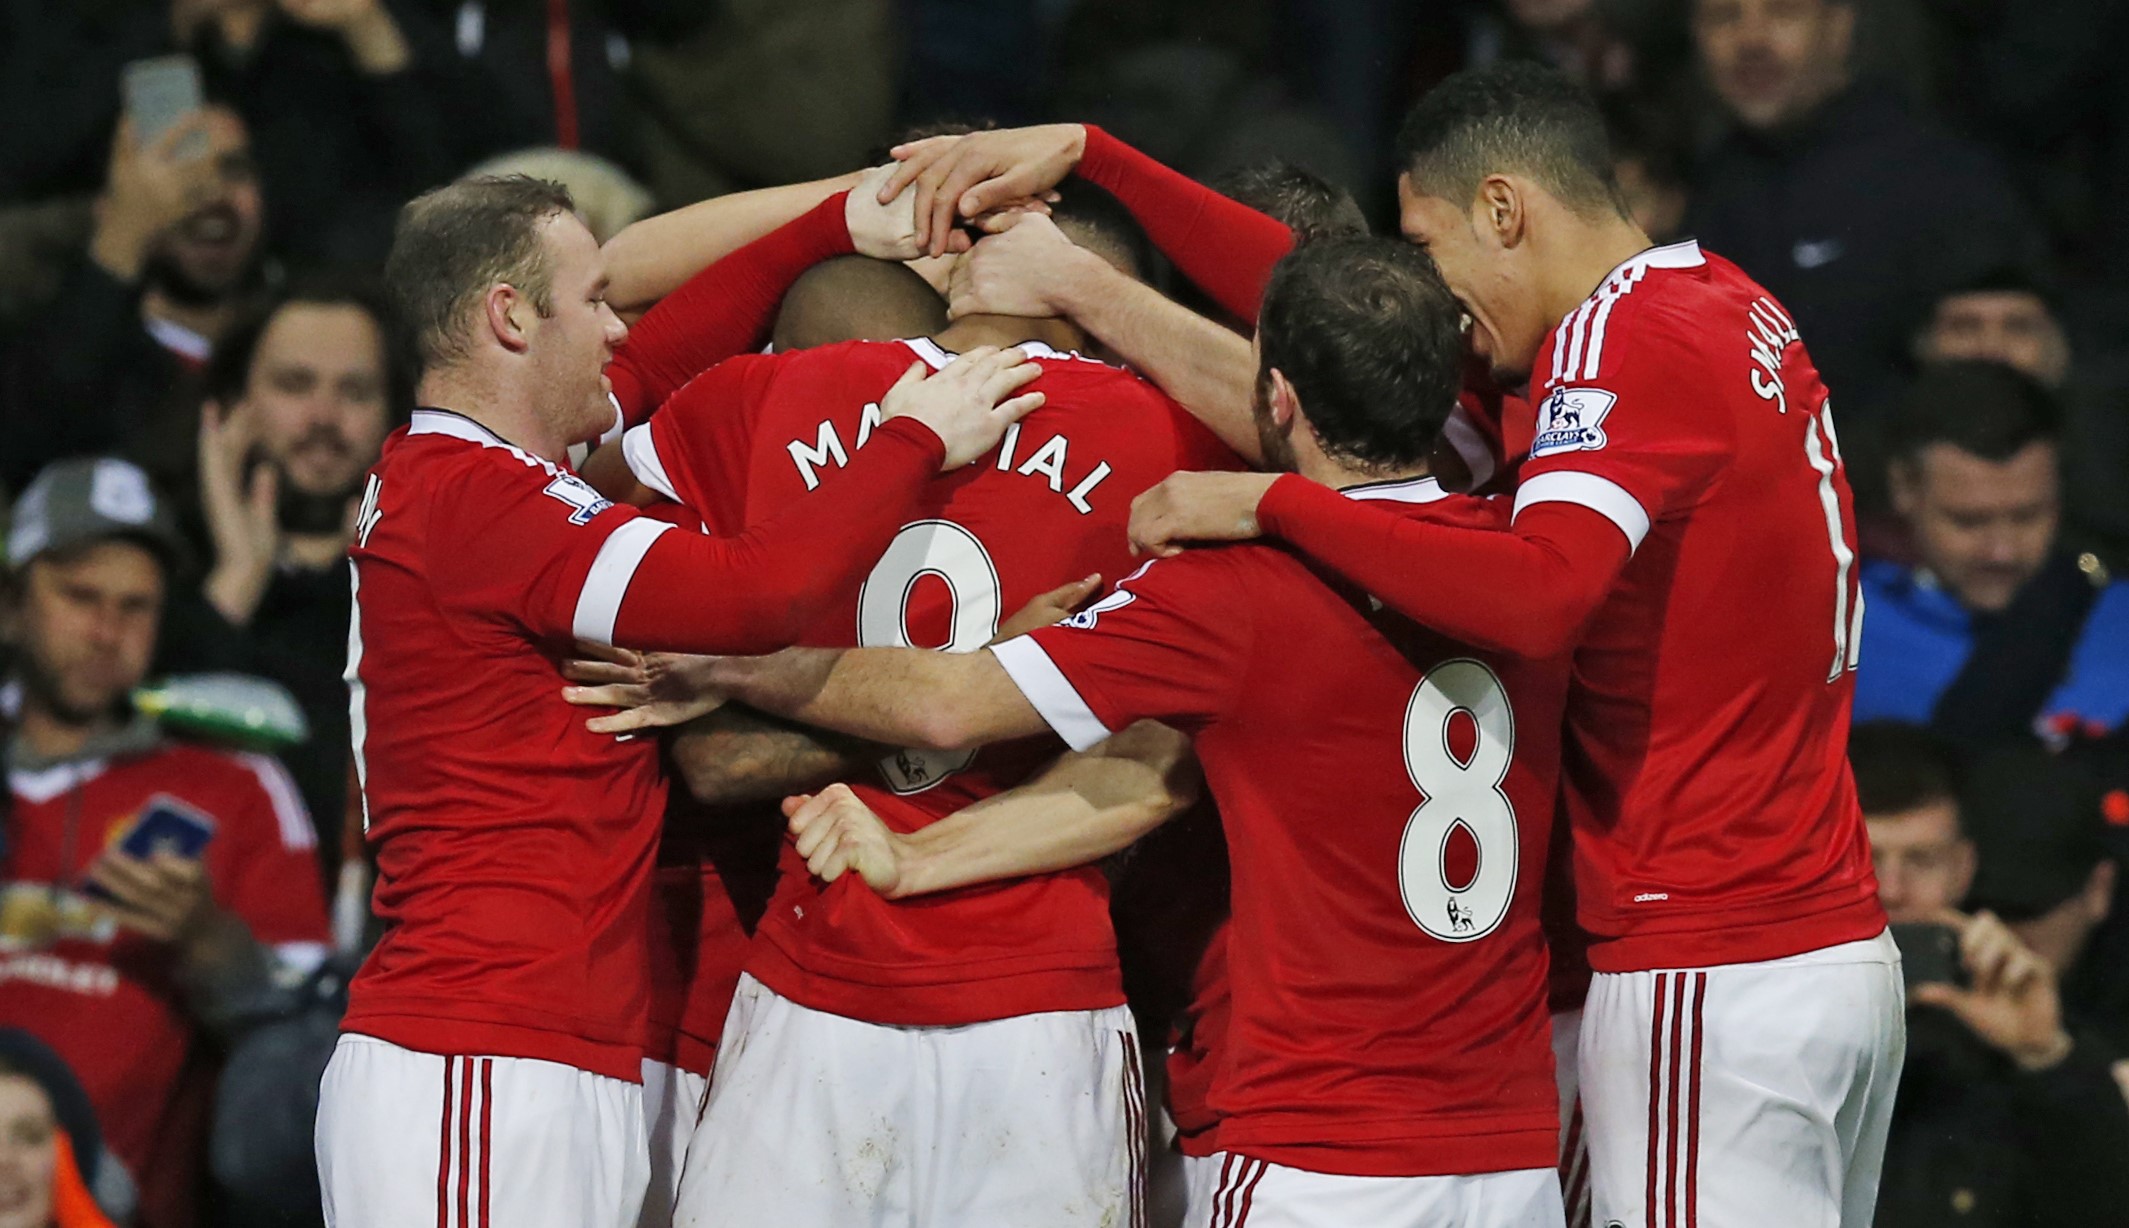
(1511, 1143)
(464, 1038)
(1714, 943)
(940, 999)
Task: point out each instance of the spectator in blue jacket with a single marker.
(1996, 630)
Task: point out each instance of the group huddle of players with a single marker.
(1548, 646)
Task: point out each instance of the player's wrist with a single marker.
(2044, 1054)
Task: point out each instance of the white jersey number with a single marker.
(1461, 794)
(929, 548)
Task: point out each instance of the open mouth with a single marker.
(215, 226)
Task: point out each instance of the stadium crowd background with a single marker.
(1932, 187)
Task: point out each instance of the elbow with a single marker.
(944, 727)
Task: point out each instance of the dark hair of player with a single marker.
(1311, 206)
(1371, 340)
(1900, 767)
(1092, 218)
(454, 242)
(1984, 409)
(229, 367)
(857, 298)
(1510, 117)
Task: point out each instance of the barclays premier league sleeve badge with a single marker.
(1570, 420)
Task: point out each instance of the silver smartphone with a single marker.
(159, 94)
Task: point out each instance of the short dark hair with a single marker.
(1510, 116)
(228, 370)
(1985, 409)
(1094, 219)
(1901, 767)
(1311, 206)
(1371, 340)
(857, 298)
(454, 242)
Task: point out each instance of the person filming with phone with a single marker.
(1993, 875)
(149, 887)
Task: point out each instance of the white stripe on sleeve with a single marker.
(1600, 495)
(289, 810)
(641, 453)
(599, 603)
(1052, 694)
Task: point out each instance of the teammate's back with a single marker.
(1047, 507)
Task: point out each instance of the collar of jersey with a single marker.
(936, 356)
(1398, 490)
(1684, 254)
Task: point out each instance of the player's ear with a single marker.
(504, 311)
(1499, 209)
(1905, 485)
(1285, 402)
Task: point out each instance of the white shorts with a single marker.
(1259, 1194)
(1746, 1094)
(672, 1106)
(1574, 1143)
(818, 1121)
(411, 1140)
(1201, 1180)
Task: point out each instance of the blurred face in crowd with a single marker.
(86, 625)
(211, 251)
(1772, 61)
(1546, 15)
(2013, 327)
(1982, 527)
(1924, 863)
(1491, 279)
(317, 390)
(571, 343)
(29, 1152)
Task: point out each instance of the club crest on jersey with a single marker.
(1571, 420)
(578, 494)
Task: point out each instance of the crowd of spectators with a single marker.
(197, 367)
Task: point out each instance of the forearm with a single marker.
(760, 591)
(1205, 367)
(1082, 808)
(227, 974)
(725, 309)
(1225, 248)
(651, 258)
(736, 755)
(1528, 591)
(897, 696)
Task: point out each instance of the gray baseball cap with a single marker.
(72, 502)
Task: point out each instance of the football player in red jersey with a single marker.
(1002, 1003)
(1346, 1096)
(505, 1001)
(1685, 517)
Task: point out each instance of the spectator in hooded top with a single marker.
(41, 1184)
(125, 964)
(2008, 1112)
(176, 244)
(2012, 317)
(1852, 210)
(1995, 630)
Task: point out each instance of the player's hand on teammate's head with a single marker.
(1197, 507)
(969, 403)
(1049, 609)
(2010, 1001)
(969, 176)
(887, 229)
(838, 834)
(651, 690)
(1016, 269)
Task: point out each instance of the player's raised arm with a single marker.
(651, 258)
(1083, 807)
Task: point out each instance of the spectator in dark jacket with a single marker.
(2006, 1114)
(1855, 212)
(176, 243)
